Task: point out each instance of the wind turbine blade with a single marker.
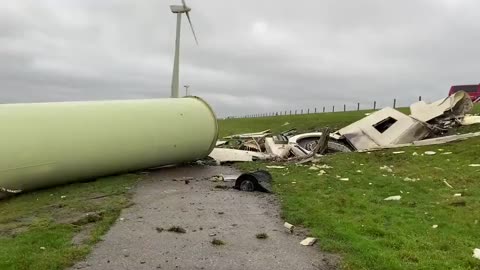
(191, 26)
(189, 20)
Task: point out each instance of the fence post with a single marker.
(374, 105)
(358, 106)
(344, 107)
(323, 108)
(295, 112)
(290, 112)
(308, 111)
(419, 98)
(301, 111)
(315, 109)
(394, 103)
(333, 108)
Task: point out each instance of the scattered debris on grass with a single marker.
(275, 167)
(217, 242)
(177, 229)
(457, 195)
(408, 179)
(393, 198)
(476, 253)
(261, 236)
(344, 179)
(398, 152)
(289, 227)
(474, 165)
(386, 168)
(434, 226)
(430, 153)
(447, 184)
(309, 241)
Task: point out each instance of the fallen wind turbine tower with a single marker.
(179, 10)
(48, 144)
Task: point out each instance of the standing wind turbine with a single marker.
(179, 10)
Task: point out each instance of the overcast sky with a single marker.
(254, 55)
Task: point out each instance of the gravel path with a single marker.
(206, 213)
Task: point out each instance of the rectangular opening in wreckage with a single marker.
(385, 124)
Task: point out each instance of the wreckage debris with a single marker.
(476, 253)
(309, 241)
(393, 198)
(260, 180)
(387, 128)
(275, 167)
(289, 227)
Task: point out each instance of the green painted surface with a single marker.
(45, 144)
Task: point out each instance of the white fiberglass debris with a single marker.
(276, 167)
(399, 152)
(393, 198)
(42, 248)
(408, 179)
(430, 153)
(370, 184)
(322, 172)
(285, 124)
(359, 171)
(476, 253)
(474, 165)
(435, 226)
(324, 166)
(344, 179)
(457, 195)
(289, 226)
(414, 154)
(63, 197)
(309, 241)
(446, 183)
(386, 168)
(314, 168)
(446, 153)
(294, 182)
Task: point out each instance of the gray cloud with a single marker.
(254, 56)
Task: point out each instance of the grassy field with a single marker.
(428, 228)
(49, 229)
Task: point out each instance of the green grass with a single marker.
(36, 229)
(351, 217)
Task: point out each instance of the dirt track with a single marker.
(205, 212)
